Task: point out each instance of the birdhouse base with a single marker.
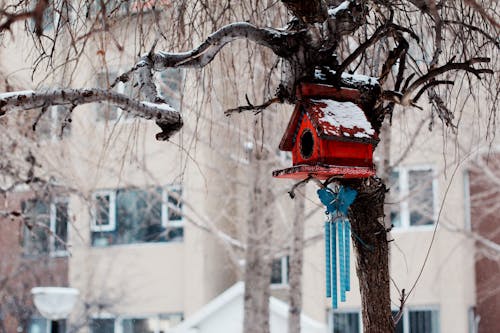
(324, 172)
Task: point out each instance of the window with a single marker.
(132, 215)
(170, 81)
(102, 325)
(413, 197)
(106, 111)
(54, 123)
(412, 321)
(418, 321)
(279, 271)
(161, 323)
(42, 325)
(346, 322)
(46, 227)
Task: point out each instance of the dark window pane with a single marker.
(37, 223)
(175, 234)
(394, 198)
(38, 325)
(399, 325)
(102, 204)
(276, 274)
(61, 226)
(346, 322)
(129, 204)
(423, 322)
(102, 326)
(174, 204)
(421, 201)
(138, 216)
(60, 324)
(139, 325)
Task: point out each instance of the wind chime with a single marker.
(331, 138)
(337, 241)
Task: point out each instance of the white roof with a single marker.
(233, 296)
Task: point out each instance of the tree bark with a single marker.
(296, 263)
(257, 257)
(370, 242)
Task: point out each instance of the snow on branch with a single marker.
(280, 42)
(164, 115)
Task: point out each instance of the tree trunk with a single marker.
(370, 242)
(296, 263)
(257, 257)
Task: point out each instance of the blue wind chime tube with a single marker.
(328, 277)
(347, 237)
(340, 232)
(333, 246)
(337, 233)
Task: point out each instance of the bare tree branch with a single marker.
(255, 108)
(25, 100)
(280, 42)
(450, 66)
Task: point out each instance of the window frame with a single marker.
(165, 209)
(403, 201)
(111, 226)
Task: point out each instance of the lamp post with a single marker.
(54, 303)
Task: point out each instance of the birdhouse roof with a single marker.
(337, 120)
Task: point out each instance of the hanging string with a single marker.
(337, 233)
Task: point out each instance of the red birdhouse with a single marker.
(329, 135)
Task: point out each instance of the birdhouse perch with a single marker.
(329, 135)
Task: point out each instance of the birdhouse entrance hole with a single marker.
(306, 144)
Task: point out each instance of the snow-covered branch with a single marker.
(164, 115)
(280, 42)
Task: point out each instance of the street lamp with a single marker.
(54, 303)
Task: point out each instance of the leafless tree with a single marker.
(414, 48)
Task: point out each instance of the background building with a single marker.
(155, 231)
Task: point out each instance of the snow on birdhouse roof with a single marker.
(340, 119)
